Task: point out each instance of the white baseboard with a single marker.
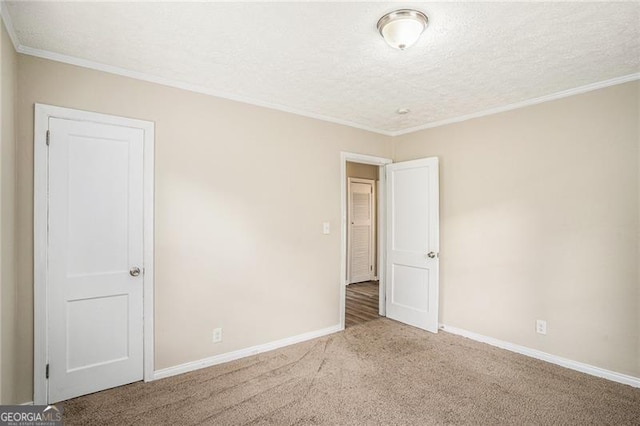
(554, 359)
(242, 353)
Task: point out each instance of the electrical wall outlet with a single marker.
(217, 335)
(541, 327)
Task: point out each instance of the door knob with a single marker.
(135, 271)
(431, 255)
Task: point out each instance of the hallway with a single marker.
(362, 303)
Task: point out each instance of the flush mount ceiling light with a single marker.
(401, 28)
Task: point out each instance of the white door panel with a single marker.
(408, 291)
(95, 238)
(410, 202)
(413, 243)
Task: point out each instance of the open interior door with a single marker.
(413, 243)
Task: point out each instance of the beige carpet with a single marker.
(379, 372)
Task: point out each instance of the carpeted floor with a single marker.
(378, 372)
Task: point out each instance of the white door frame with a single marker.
(40, 246)
(375, 161)
(372, 230)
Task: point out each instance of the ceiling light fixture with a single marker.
(403, 111)
(401, 28)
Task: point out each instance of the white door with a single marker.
(95, 249)
(361, 229)
(413, 243)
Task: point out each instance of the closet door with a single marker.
(361, 228)
(95, 264)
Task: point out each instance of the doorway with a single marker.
(362, 279)
(93, 260)
(362, 295)
(407, 248)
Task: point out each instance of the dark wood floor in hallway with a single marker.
(362, 303)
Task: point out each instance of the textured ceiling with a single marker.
(326, 59)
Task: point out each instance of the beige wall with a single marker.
(238, 241)
(539, 220)
(8, 85)
(362, 171)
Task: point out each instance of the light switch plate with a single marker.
(326, 228)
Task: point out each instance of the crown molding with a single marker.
(84, 63)
(529, 102)
(6, 18)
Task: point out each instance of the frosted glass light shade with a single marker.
(402, 28)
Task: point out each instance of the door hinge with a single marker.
(48, 135)
(46, 374)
